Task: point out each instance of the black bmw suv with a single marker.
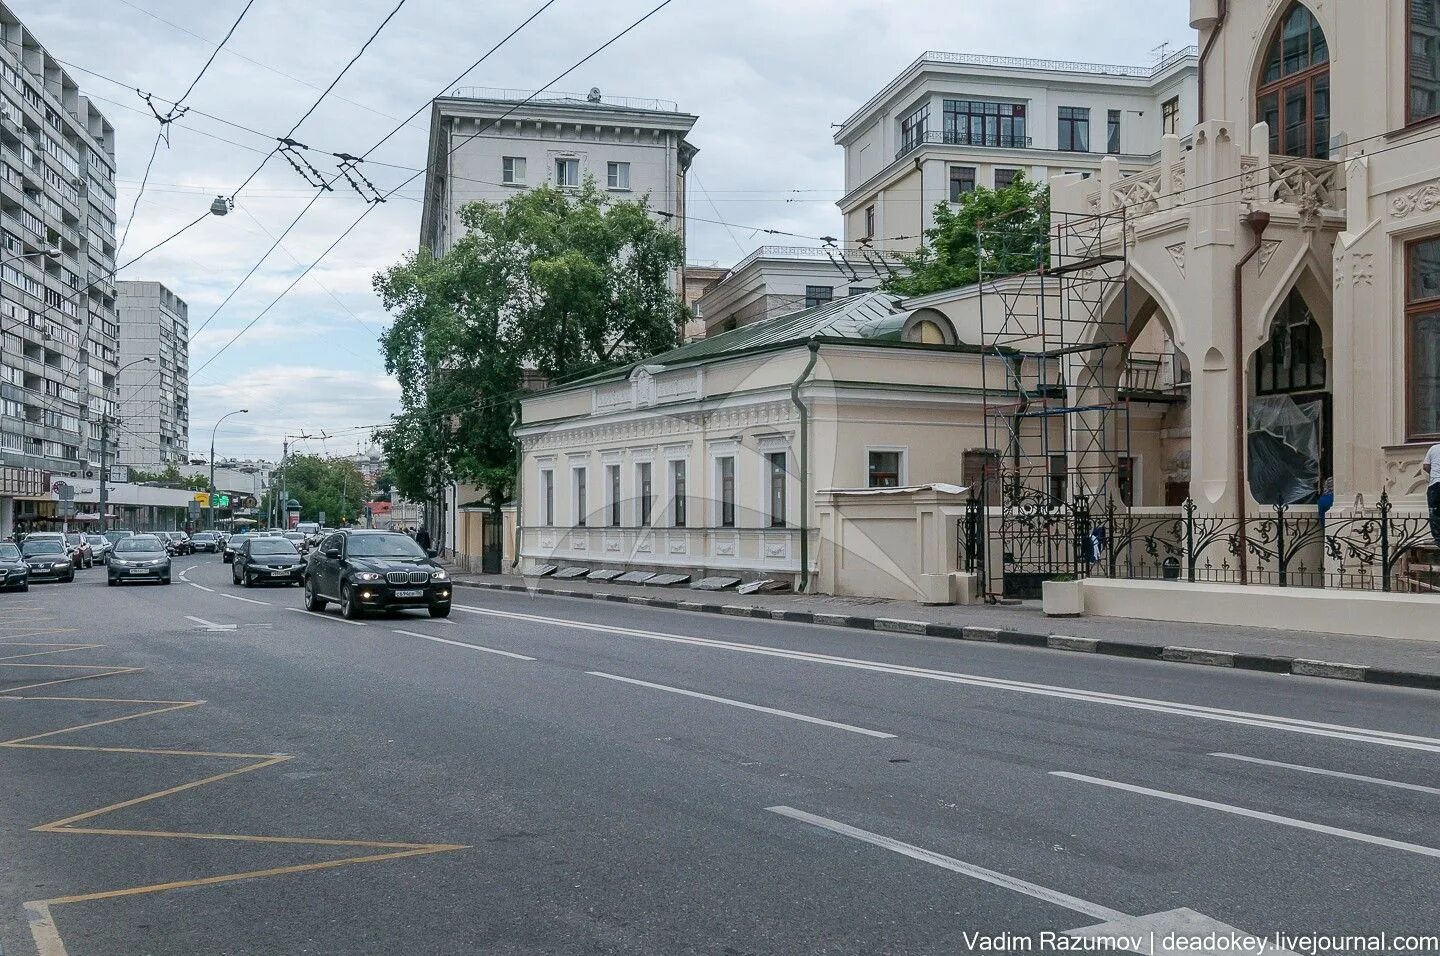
(365, 570)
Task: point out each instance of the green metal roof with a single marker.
(875, 316)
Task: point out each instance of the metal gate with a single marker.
(1042, 537)
(492, 549)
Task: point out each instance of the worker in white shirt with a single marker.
(1431, 467)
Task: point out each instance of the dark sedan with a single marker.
(233, 545)
(14, 572)
(375, 570)
(206, 541)
(48, 559)
(140, 557)
(267, 561)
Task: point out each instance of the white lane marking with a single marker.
(321, 616)
(187, 571)
(740, 703)
(473, 647)
(1270, 722)
(954, 865)
(1399, 785)
(200, 586)
(236, 597)
(1254, 814)
(210, 624)
(42, 928)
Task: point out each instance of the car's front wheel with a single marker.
(349, 603)
(246, 581)
(111, 582)
(439, 610)
(313, 601)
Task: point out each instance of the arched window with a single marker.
(1294, 92)
(927, 332)
(1293, 358)
(928, 327)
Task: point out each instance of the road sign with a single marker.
(222, 501)
(201, 499)
(322, 519)
(66, 507)
(194, 510)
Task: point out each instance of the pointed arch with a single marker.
(1292, 83)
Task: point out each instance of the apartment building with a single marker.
(485, 145)
(952, 122)
(154, 399)
(59, 335)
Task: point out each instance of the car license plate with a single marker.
(410, 594)
(139, 571)
(280, 571)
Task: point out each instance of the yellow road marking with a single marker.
(55, 649)
(66, 680)
(109, 700)
(179, 705)
(246, 838)
(255, 874)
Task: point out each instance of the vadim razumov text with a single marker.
(1276, 944)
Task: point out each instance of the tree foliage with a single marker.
(551, 283)
(1015, 223)
(170, 477)
(332, 485)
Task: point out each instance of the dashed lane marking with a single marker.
(473, 647)
(321, 616)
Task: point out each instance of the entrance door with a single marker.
(492, 549)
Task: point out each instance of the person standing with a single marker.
(422, 538)
(1431, 467)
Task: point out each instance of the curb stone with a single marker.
(1301, 667)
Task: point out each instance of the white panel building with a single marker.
(154, 427)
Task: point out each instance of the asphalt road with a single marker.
(202, 768)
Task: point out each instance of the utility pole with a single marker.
(104, 467)
(238, 411)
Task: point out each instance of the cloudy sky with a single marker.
(767, 78)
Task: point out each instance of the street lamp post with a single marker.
(105, 448)
(238, 411)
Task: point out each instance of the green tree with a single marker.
(332, 485)
(170, 477)
(1015, 222)
(551, 283)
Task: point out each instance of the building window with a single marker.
(976, 123)
(1112, 132)
(1293, 358)
(1294, 93)
(512, 170)
(1005, 178)
(1170, 115)
(1422, 340)
(617, 175)
(1059, 479)
(677, 487)
(727, 492)
(581, 510)
(612, 473)
(962, 181)
(913, 128)
(1423, 55)
(643, 482)
(1126, 481)
(883, 469)
(547, 497)
(1074, 129)
(816, 295)
(869, 222)
(775, 462)
(567, 172)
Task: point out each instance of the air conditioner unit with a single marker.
(90, 473)
(74, 474)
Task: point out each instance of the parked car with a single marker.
(116, 534)
(47, 558)
(139, 557)
(14, 572)
(267, 561)
(80, 551)
(206, 541)
(364, 570)
(100, 545)
(299, 539)
(233, 544)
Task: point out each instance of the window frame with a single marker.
(579, 479)
(901, 456)
(547, 497)
(1313, 345)
(1410, 118)
(1014, 175)
(1170, 116)
(1071, 115)
(612, 176)
(725, 487)
(1112, 132)
(870, 221)
(958, 178)
(914, 127)
(644, 493)
(1414, 310)
(679, 492)
(777, 507)
(507, 170)
(612, 484)
(1285, 83)
(818, 295)
(564, 161)
(959, 123)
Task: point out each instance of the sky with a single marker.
(767, 78)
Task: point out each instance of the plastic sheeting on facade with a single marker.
(1284, 444)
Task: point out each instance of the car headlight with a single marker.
(367, 576)
(61, 565)
(439, 576)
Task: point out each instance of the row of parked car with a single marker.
(56, 556)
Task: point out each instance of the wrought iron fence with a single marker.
(1032, 537)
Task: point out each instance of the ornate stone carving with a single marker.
(1177, 254)
(775, 550)
(1139, 194)
(725, 549)
(1339, 270)
(1268, 248)
(1423, 199)
(1363, 270)
(677, 547)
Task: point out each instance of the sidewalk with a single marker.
(1377, 660)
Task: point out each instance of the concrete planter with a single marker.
(1064, 598)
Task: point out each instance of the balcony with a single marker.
(962, 138)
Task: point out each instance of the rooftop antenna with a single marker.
(1161, 51)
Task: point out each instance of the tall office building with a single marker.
(154, 403)
(59, 338)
